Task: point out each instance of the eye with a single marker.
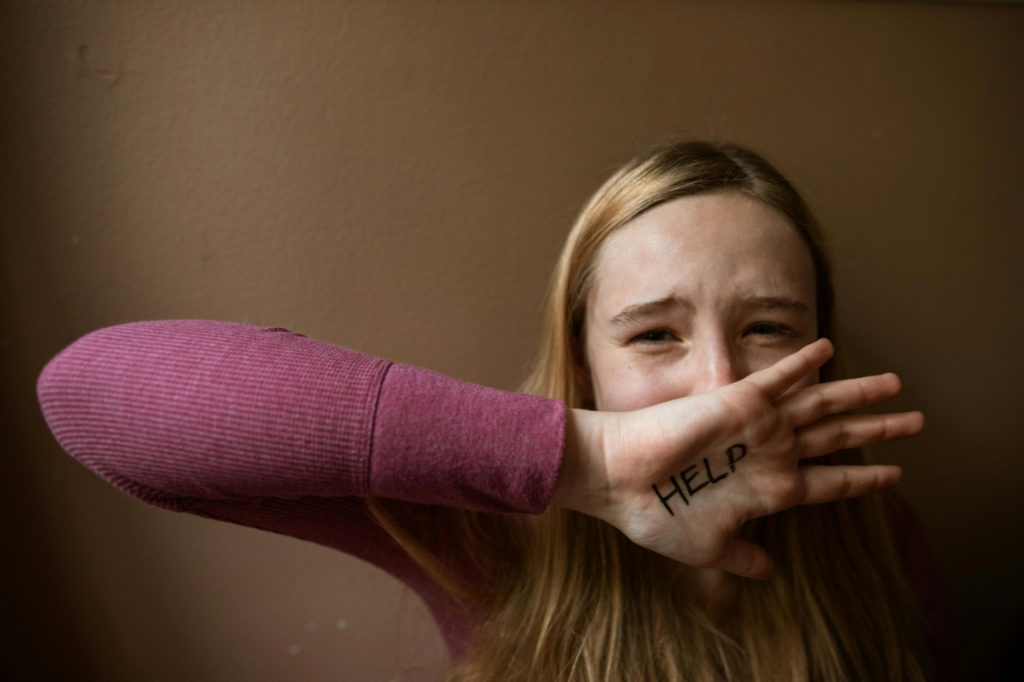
(653, 337)
(770, 329)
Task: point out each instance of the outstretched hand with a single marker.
(681, 477)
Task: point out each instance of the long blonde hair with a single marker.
(573, 600)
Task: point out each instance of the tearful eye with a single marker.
(770, 329)
(653, 336)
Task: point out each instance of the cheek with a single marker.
(632, 387)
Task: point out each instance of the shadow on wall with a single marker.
(995, 597)
(38, 629)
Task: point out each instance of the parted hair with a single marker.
(571, 599)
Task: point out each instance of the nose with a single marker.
(716, 367)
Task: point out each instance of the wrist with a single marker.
(582, 461)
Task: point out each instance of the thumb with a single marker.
(745, 559)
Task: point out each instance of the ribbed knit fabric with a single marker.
(271, 429)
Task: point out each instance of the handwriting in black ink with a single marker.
(734, 453)
(665, 498)
(711, 476)
(687, 479)
(740, 448)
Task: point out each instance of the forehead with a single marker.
(710, 248)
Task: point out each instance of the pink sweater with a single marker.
(270, 429)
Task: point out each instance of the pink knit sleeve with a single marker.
(185, 410)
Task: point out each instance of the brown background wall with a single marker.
(397, 176)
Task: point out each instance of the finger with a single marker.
(745, 559)
(774, 380)
(814, 402)
(854, 431)
(830, 483)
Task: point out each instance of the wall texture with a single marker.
(397, 176)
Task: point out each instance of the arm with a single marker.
(178, 411)
(230, 421)
(272, 430)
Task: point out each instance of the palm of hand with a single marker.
(680, 478)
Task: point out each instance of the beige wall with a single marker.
(396, 176)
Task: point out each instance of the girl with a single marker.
(656, 510)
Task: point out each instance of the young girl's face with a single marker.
(694, 294)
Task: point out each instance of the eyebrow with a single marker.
(637, 312)
(783, 303)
